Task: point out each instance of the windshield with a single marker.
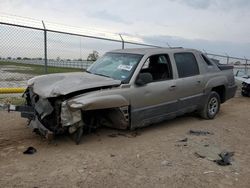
(119, 66)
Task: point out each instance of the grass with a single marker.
(12, 100)
(36, 69)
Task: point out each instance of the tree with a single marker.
(93, 56)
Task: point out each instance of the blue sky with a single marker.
(218, 26)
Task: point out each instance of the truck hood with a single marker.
(54, 85)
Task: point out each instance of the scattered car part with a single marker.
(30, 150)
(198, 133)
(245, 90)
(226, 158)
(183, 140)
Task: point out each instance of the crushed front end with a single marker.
(45, 116)
(245, 90)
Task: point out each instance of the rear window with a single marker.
(186, 64)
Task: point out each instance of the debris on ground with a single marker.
(128, 135)
(226, 158)
(199, 155)
(135, 134)
(112, 155)
(200, 133)
(112, 135)
(166, 163)
(30, 150)
(208, 172)
(183, 140)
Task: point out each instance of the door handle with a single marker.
(172, 87)
(198, 82)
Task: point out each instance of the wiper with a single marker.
(100, 74)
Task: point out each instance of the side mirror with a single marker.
(143, 79)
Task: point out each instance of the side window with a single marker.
(159, 67)
(186, 64)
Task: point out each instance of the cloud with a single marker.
(200, 4)
(219, 4)
(104, 15)
(217, 47)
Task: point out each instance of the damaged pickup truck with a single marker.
(128, 89)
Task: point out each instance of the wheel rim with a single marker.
(213, 106)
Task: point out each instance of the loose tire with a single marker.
(211, 107)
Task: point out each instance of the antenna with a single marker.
(168, 45)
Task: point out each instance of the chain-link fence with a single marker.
(241, 65)
(31, 47)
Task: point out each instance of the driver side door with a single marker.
(155, 101)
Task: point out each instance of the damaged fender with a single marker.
(71, 110)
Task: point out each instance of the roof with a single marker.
(144, 51)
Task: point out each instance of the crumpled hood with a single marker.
(53, 85)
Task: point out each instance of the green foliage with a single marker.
(93, 56)
(36, 69)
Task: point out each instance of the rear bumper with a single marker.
(230, 92)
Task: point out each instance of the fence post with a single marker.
(45, 50)
(246, 66)
(227, 59)
(122, 41)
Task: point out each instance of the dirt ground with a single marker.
(149, 157)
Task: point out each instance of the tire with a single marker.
(243, 94)
(212, 106)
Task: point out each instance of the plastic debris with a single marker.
(199, 155)
(166, 163)
(226, 158)
(199, 133)
(30, 150)
(208, 172)
(183, 140)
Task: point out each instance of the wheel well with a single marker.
(221, 92)
(111, 117)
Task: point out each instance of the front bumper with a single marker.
(26, 111)
(29, 113)
(245, 90)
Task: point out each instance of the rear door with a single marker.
(190, 83)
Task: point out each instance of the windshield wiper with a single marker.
(101, 75)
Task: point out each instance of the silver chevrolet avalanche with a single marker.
(128, 89)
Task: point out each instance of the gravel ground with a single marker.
(149, 157)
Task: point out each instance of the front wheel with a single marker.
(211, 107)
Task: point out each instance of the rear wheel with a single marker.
(212, 106)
